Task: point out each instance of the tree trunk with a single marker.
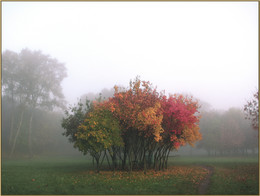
(145, 168)
(167, 157)
(114, 158)
(11, 129)
(124, 158)
(30, 135)
(130, 160)
(103, 158)
(107, 160)
(97, 160)
(17, 133)
(12, 122)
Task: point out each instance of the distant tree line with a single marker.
(227, 133)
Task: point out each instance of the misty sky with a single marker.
(209, 50)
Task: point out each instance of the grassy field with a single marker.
(231, 176)
(76, 176)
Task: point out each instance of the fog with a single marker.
(207, 49)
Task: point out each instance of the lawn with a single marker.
(231, 176)
(235, 178)
(77, 176)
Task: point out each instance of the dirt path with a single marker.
(205, 184)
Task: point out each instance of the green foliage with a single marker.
(99, 131)
(74, 116)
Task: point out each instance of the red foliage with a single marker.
(172, 120)
(179, 116)
(139, 102)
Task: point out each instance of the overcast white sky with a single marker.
(207, 49)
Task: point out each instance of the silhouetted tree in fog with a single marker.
(31, 80)
(251, 110)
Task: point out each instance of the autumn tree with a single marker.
(145, 125)
(180, 123)
(138, 111)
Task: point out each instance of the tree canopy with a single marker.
(135, 128)
(31, 80)
(34, 78)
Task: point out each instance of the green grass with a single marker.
(231, 176)
(237, 178)
(76, 176)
